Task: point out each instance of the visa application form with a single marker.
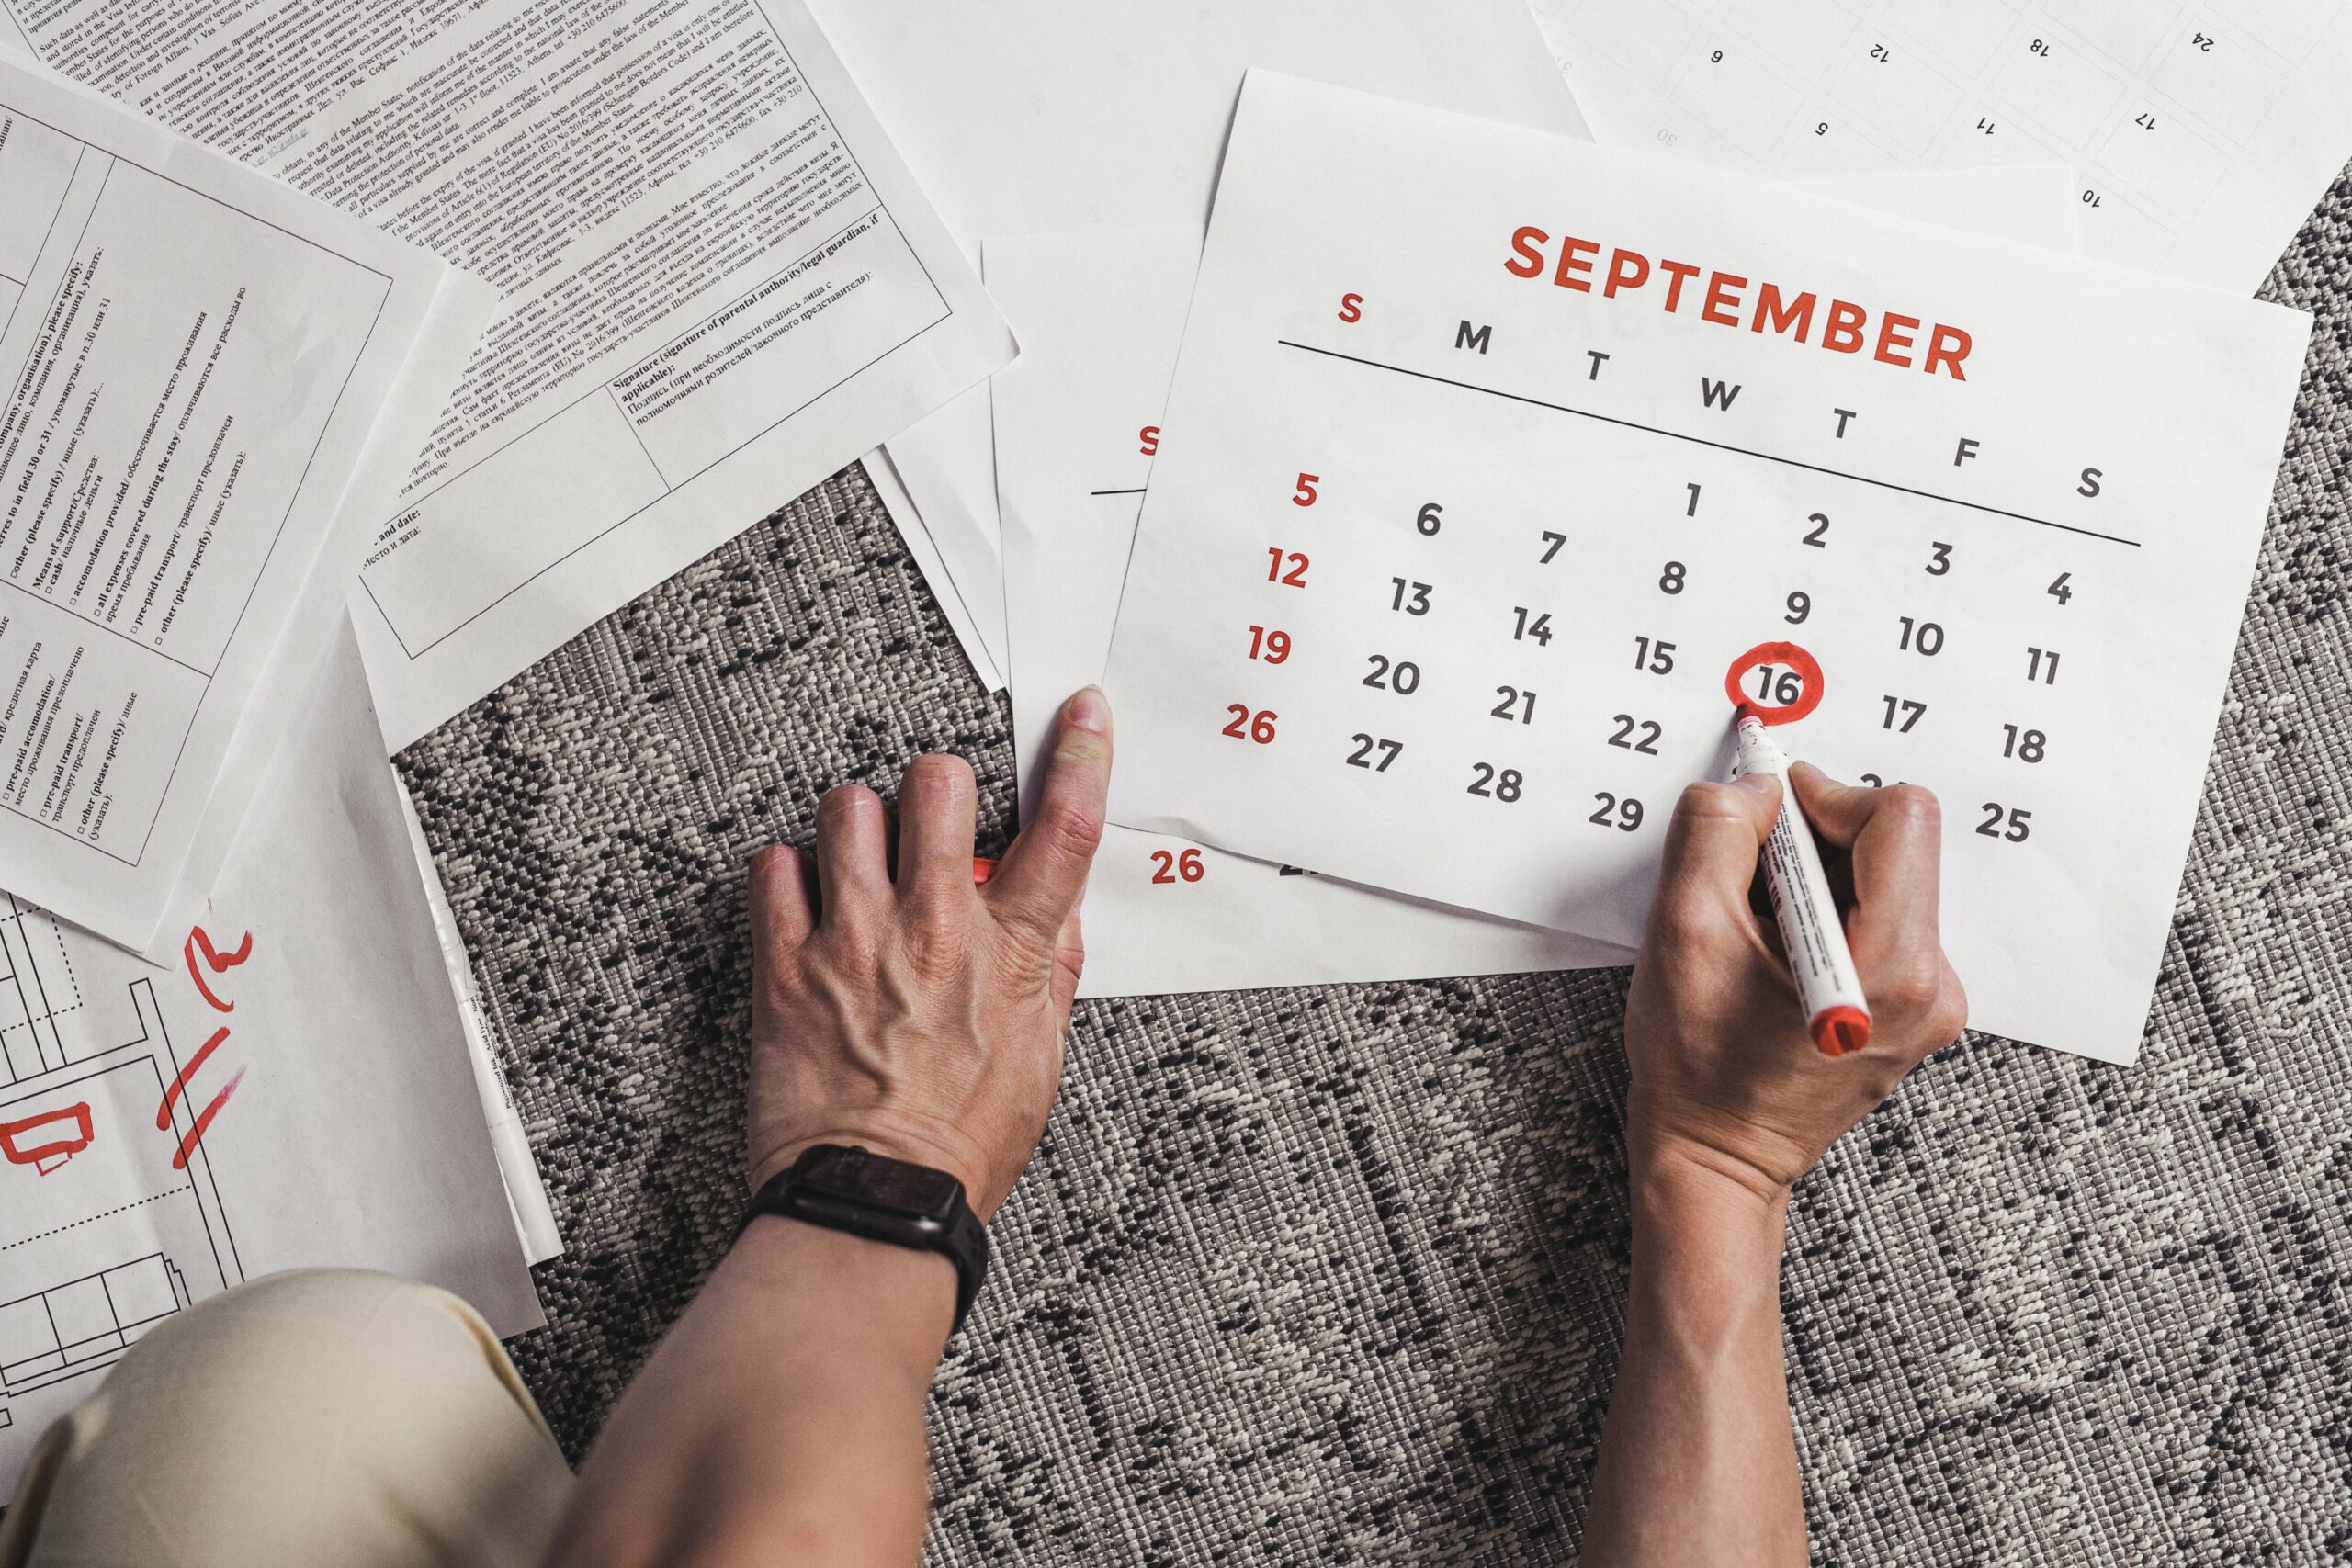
(719, 282)
(198, 366)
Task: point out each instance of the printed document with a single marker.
(196, 361)
(1535, 490)
(720, 284)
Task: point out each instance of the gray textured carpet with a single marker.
(1337, 1276)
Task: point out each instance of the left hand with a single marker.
(923, 1018)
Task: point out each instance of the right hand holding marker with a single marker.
(1726, 1077)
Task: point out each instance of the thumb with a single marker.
(1043, 874)
(1069, 962)
(1712, 843)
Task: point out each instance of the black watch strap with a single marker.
(845, 1188)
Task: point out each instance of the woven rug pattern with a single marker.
(1337, 1276)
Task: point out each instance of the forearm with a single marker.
(781, 1420)
(1698, 1461)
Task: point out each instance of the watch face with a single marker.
(911, 1188)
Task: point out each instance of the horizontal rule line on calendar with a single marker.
(1702, 441)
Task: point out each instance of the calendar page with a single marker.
(1077, 420)
(2201, 133)
(1538, 456)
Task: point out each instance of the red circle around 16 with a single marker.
(1808, 671)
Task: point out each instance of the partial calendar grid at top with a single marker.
(2160, 107)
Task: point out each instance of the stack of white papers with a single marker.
(212, 379)
(718, 284)
(1049, 116)
(221, 387)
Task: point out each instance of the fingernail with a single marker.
(1809, 768)
(1089, 710)
(1759, 784)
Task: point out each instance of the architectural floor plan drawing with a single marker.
(110, 1220)
(290, 1089)
(29, 1045)
(83, 1324)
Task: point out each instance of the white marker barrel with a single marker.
(1835, 1013)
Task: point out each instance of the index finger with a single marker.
(1896, 835)
(776, 896)
(1044, 871)
(937, 803)
(1711, 846)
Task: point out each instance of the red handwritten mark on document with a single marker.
(1808, 671)
(46, 1157)
(203, 1120)
(220, 962)
(178, 1086)
(201, 954)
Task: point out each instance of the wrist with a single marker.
(1706, 1248)
(905, 1295)
(1692, 1146)
(1696, 1186)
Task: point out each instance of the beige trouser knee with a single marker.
(327, 1416)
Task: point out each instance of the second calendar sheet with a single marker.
(1497, 467)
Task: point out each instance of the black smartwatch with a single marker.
(881, 1199)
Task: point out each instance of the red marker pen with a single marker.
(1836, 1012)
